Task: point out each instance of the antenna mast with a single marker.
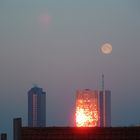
(102, 82)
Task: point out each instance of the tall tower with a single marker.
(86, 108)
(101, 108)
(36, 107)
(107, 108)
(101, 104)
(104, 106)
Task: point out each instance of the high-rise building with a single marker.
(86, 108)
(107, 108)
(104, 106)
(36, 107)
(93, 108)
(101, 108)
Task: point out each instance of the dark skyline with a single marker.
(56, 44)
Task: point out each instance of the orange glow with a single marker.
(86, 109)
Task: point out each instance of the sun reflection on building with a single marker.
(87, 108)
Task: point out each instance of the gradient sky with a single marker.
(56, 44)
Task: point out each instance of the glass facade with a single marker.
(87, 108)
(36, 107)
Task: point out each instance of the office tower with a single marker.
(107, 108)
(86, 108)
(36, 107)
(101, 108)
(104, 106)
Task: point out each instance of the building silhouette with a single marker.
(107, 108)
(36, 107)
(101, 108)
(104, 108)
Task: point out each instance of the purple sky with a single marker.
(56, 44)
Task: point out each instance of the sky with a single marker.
(56, 45)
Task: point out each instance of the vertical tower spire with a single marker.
(102, 82)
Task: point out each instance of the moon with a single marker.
(106, 48)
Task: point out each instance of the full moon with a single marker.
(106, 48)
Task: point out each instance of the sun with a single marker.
(106, 48)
